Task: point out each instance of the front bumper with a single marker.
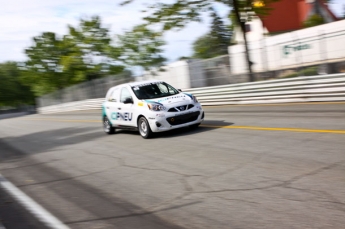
(167, 121)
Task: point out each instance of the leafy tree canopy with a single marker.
(180, 12)
(86, 52)
(83, 54)
(313, 20)
(215, 42)
(141, 47)
(12, 91)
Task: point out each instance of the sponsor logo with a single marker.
(289, 49)
(170, 98)
(122, 116)
(140, 104)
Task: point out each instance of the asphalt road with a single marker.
(274, 166)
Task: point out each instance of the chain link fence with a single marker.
(210, 72)
(93, 89)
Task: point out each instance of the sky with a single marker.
(21, 20)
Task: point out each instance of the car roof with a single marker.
(133, 84)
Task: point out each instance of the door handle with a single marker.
(107, 107)
(119, 108)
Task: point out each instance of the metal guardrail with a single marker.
(324, 88)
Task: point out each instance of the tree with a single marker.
(183, 58)
(220, 33)
(12, 91)
(83, 54)
(202, 48)
(141, 47)
(92, 43)
(179, 13)
(43, 70)
(215, 42)
(313, 20)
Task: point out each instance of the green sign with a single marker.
(288, 49)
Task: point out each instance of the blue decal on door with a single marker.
(122, 116)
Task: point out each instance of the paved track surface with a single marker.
(274, 166)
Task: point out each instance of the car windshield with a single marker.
(154, 90)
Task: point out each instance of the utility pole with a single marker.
(243, 28)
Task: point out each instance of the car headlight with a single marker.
(156, 107)
(194, 99)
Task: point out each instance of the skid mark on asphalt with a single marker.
(215, 126)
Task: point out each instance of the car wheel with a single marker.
(107, 126)
(144, 128)
(194, 126)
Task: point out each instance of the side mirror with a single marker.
(128, 100)
(179, 90)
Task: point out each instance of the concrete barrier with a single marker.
(324, 88)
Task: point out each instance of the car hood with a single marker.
(172, 99)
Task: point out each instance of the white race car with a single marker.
(150, 106)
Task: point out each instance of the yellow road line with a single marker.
(272, 104)
(278, 129)
(213, 126)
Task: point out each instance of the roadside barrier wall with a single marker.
(322, 88)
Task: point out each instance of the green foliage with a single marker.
(202, 48)
(313, 20)
(84, 53)
(180, 12)
(43, 71)
(310, 71)
(92, 44)
(12, 91)
(214, 43)
(184, 58)
(141, 47)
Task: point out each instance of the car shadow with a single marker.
(206, 125)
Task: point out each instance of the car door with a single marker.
(112, 107)
(126, 108)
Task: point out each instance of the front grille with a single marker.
(182, 119)
(181, 108)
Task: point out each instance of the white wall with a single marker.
(298, 48)
(256, 32)
(176, 74)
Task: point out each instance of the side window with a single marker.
(113, 96)
(125, 95)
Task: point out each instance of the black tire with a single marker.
(144, 128)
(194, 126)
(108, 129)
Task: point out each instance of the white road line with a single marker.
(37, 210)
